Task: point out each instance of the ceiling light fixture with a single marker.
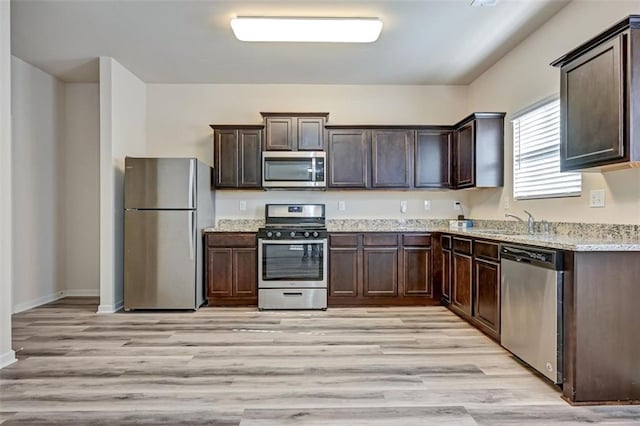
(328, 30)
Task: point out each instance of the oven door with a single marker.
(292, 263)
(293, 169)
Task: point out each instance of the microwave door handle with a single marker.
(313, 169)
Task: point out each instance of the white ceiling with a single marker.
(174, 41)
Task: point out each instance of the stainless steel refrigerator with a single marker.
(167, 202)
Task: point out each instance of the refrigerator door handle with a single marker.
(192, 186)
(192, 235)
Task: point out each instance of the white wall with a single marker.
(7, 355)
(523, 77)
(123, 107)
(178, 116)
(80, 184)
(37, 131)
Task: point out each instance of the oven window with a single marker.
(288, 169)
(302, 262)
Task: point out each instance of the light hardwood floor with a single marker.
(361, 366)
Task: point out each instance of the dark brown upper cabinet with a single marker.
(433, 163)
(479, 151)
(349, 158)
(600, 100)
(391, 158)
(237, 152)
(294, 131)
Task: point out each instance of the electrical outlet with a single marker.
(457, 205)
(342, 206)
(403, 206)
(242, 205)
(427, 204)
(507, 203)
(596, 198)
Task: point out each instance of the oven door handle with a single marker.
(295, 242)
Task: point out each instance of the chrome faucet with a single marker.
(531, 224)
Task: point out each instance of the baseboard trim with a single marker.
(82, 292)
(111, 309)
(29, 304)
(7, 358)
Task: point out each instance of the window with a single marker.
(536, 155)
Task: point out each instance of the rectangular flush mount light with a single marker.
(328, 30)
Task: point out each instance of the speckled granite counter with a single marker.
(564, 236)
(237, 225)
(563, 242)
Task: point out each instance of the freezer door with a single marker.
(160, 183)
(160, 259)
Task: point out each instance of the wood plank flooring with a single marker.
(238, 366)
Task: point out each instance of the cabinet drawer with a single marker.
(416, 240)
(445, 240)
(386, 240)
(343, 240)
(487, 250)
(463, 245)
(231, 239)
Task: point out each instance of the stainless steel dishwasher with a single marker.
(531, 307)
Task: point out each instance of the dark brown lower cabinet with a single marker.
(486, 307)
(462, 279)
(379, 269)
(231, 269)
(446, 262)
(344, 272)
(601, 322)
(470, 274)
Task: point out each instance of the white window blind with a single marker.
(536, 155)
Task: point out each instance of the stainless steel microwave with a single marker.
(287, 169)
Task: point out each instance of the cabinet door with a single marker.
(279, 133)
(380, 271)
(344, 272)
(593, 97)
(226, 158)
(348, 158)
(433, 159)
(464, 156)
(219, 272)
(245, 272)
(446, 276)
(391, 158)
(462, 279)
(417, 271)
(310, 134)
(249, 161)
(487, 295)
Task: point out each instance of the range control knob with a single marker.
(315, 234)
(269, 234)
(278, 234)
(292, 234)
(306, 235)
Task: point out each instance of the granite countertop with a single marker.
(562, 242)
(564, 236)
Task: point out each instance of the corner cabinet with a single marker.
(433, 164)
(600, 100)
(479, 151)
(237, 152)
(470, 274)
(294, 131)
(231, 274)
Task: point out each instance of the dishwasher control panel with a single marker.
(551, 259)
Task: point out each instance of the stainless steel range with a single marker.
(292, 257)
